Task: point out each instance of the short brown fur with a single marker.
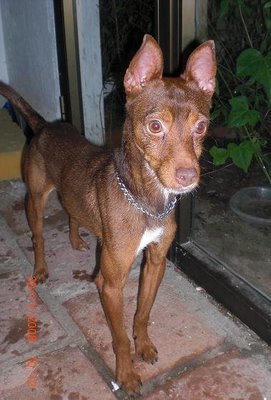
(162, 141)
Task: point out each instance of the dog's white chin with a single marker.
(182, 189)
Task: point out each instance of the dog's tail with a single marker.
(31, 117)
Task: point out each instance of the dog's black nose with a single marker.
(186, 176)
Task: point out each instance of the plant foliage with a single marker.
(242, 29)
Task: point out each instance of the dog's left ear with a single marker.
(201, 67)
(147, 64)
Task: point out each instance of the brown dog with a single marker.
(126, 197)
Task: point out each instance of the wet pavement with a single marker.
(55, 343)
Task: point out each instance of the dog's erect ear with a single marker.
(147, 64)
(201, 67)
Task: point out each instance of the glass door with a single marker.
(221, 248)
(225, 255)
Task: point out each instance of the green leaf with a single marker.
(231, 148)
(263, 75)
(248, 62)
(267, 5)
(252, 63)
(240, 114)
(219, 155)
(257, 144)
(241, 154)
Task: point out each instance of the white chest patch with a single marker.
(149, 236)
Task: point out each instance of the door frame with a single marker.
(80, 66)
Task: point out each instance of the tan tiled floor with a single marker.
(204, 353)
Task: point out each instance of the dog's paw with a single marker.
(129, 381)
(79, 244)
(40, 276)
(146, 350)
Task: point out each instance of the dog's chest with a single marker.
(149, 236)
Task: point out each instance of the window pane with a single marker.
(241, 246)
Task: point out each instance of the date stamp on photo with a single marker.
(32, 327)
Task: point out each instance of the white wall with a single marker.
(31, 56)
(88, 23)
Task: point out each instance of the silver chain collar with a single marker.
(139, 207)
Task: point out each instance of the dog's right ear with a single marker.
(147, 64)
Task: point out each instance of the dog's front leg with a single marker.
(150, 280)
(110, 282)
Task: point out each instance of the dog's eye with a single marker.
(201, 127)
(155, 126)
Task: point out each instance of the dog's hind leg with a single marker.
(35, 203)
(76, 241)
(38, 189)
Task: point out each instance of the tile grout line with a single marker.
(184, 367)
(102, 368)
